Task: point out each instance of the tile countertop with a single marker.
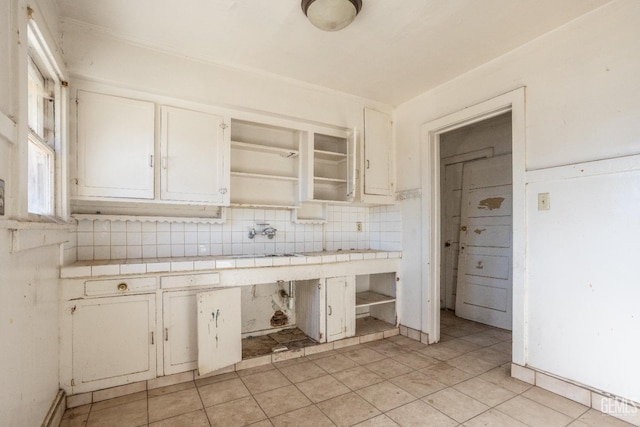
(159, 265)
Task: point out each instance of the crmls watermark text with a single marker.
(616, 405)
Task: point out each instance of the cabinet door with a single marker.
(377, 153)
(113, 341)
(115, 146)
(219, 329)
(195, 165)
(180, 336)
(340, 307)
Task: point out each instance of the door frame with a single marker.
(514, 102)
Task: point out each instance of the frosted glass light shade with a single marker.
(331, 15)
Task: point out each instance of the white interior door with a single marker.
(451, 196)
(219, 329)
(484, 289)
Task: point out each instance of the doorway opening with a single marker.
(512, 102)
(476, 222)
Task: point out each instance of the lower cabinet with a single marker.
(326, 308)
(208, 321)
(341, 315)
(113, 341)
(180, 340)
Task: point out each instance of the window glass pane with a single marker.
(40, 179)
(36, 106)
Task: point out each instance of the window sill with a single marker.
(25, 235)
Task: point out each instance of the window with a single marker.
(45, 119)
(41, 152)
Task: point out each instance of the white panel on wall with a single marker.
(583, 280)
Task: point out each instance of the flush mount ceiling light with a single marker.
(331, 15)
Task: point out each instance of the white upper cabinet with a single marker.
(330, 167)
(377, 157)
(194, 151)
(115, 146)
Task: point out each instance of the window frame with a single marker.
(51, 142)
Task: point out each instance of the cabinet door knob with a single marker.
(330, 311)
(122, 287)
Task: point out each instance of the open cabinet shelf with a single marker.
(265, 164)
(369, 298)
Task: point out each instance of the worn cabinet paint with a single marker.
(114, 341)
(179, 334)
(341, 307)
(219, 329)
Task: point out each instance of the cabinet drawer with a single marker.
(119, 286)
(189, 280)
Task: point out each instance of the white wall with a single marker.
(29, 277)
(582, 104)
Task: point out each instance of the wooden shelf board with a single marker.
(284, 152)
(322, 179)
(264, 176)
(368, 298)
(328, 155)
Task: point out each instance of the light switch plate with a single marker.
(543, 202)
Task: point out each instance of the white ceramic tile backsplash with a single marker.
(101, 240)
(386, 228)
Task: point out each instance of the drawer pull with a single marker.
(122, 287)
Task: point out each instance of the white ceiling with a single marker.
(393, 51)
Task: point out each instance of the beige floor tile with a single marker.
(289, 358)
(335, 363)
(461, 330)
(501, 334)
(471, 364)
(77, 412)
(348, 409)
(504, 347)
(416, 360)
(407, 343)
(418, 384)
(263, 423)
(322, 388)
(502, 376)
(482, 339)
(493, 418)
(238, 412)
(316, 356)
(281, 400)
(76, 421)
(446, 374)
(363, 355)
(130, 414)
(387, 348)
(490, 355)
(379, 421)
(171, 389)
(455, 404)
(117, 401)
(388, 368)
(213, 394)
(191, 419)
(385, 396)
(302, 372)
(533, 413)
(254, 370)
(358, 377)
(309, 416)
(419, 414)
(171, 405)
(555, 401)
(265, 381)
(216, 379)
(485, 392)
(593, 418)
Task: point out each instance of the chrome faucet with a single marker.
(268, 231)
